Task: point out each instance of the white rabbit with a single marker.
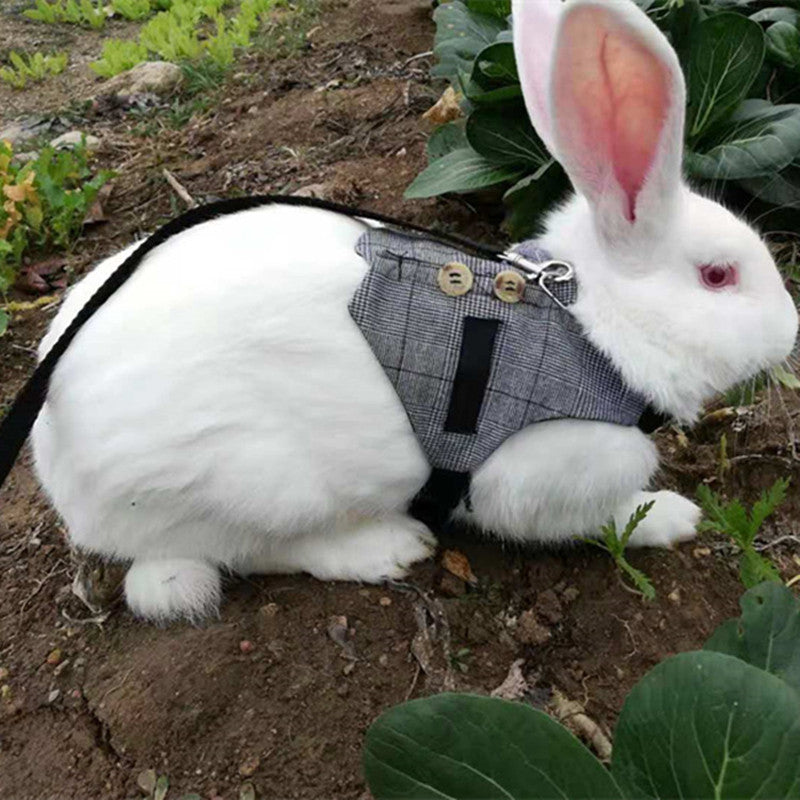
(223, 411)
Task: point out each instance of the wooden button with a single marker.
(455, 279)
(509, 286)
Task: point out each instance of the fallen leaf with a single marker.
(446, 109)
(515, 685)
(43, 276)
(456, 563)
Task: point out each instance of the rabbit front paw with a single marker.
(671, 520)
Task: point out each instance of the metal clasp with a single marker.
(541, 274)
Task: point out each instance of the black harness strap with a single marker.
(19, 420)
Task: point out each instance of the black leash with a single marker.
(19, 420)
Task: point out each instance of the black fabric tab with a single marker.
(439, 497)
(472, 375)
(651, 420)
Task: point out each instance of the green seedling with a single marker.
(32, 68)
(460, 659)
(614, 544)
(76, 12)
(134, 10)
(732, 520)
(118, 56)
(44, 205)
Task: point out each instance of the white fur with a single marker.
(222, 410)
(163, 589)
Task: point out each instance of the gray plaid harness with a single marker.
(472, 370)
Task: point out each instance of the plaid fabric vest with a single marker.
(472, 370)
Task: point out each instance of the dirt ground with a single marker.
(279, 691)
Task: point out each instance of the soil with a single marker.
(279, 690)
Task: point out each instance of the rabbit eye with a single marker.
(718, 276)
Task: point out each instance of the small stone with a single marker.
(343, 690)
(54, 657)
(24, 158)
(146, 781)
(348, 667)
(570, 594)
(701, 552)
(53, 696)
(248, 767)
(385, 601)
(247, 792)
(75, 694)
(530, 631)
(72, 139)
(246, 646)
(549, 606)
(158, 77)
(675, 596)
(313, 190)
(383, 660)
(61, 668)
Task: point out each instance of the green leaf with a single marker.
(463, 746)
(768, 633)
(531, 197)
(162, 787)
(760, 139)
(445, 139)
(506, 137)
(463, 170)
(460, 35)
(4, 318)
(494, 65)
(754, 569)
(768, 502)
(783, 44)
(640, 580)
(503, 95)
(726, 54)
(777, 14)
(785, 378)
(494, 8)
(708, 725)
(781, 189)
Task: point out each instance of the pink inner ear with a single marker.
(612, 99)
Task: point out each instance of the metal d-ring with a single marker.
(540, 274)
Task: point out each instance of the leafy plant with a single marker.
(719, 723)
(179, 34)
(743, 105)
(134, 10)
(44, 204)
(615, 545)
(118, 56)
(733, 520)
(77, 12)
(35, 68)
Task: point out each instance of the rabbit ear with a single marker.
(617, 97)
(535, 24)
